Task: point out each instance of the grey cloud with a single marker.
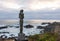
(38, 14)
(43, 15)
(31, 14)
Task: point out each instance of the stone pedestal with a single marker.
(21, 37)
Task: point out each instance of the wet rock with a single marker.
(29, 26)
(10, 26)
(4, 32)
(45, 23)
(3, 36)
(12, 35)
(40, 27)
(17, 26)
(3, 27)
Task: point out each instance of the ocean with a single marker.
(27, 31)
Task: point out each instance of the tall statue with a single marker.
(21, 35)
(21, 16)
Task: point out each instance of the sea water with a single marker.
(13, 31)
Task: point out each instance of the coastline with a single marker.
(34, 21)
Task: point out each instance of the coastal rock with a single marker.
(3, 27)
(3, 36)
(40, 27)
(53, 28)
(10, 26)
(17, 26)
(4, 32)
(46, 23)
(29, 26)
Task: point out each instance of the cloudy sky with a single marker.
(33, 9)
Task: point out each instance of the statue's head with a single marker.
(21, 10)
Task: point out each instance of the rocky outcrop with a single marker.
(53, 28)
(40, 27)
(3, 27)
(4, 32)
(17, 26)
(29, 26)
(45, 23)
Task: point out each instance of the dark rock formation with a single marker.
(40, 27)
(17, 26)
(53, 28)
(4, 32)
(10, 26)
(3, 36)
(29, 26)
(3, 27)
(46, 23)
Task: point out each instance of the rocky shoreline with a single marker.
(48, 27)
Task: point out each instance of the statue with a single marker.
(21, 16)
(21, 35)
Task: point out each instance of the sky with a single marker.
(33, 9)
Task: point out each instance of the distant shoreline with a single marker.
(13, 21)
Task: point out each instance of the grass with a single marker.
(43, 37)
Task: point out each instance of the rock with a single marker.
(12, 35)
(4, 32)
(3, 36)
(29, 26)
(3, 27)
(17, 26)
(40, 27)
(45, 23)
(10, 26)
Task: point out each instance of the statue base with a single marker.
(21, 37)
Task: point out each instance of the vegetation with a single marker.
(44, 37)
